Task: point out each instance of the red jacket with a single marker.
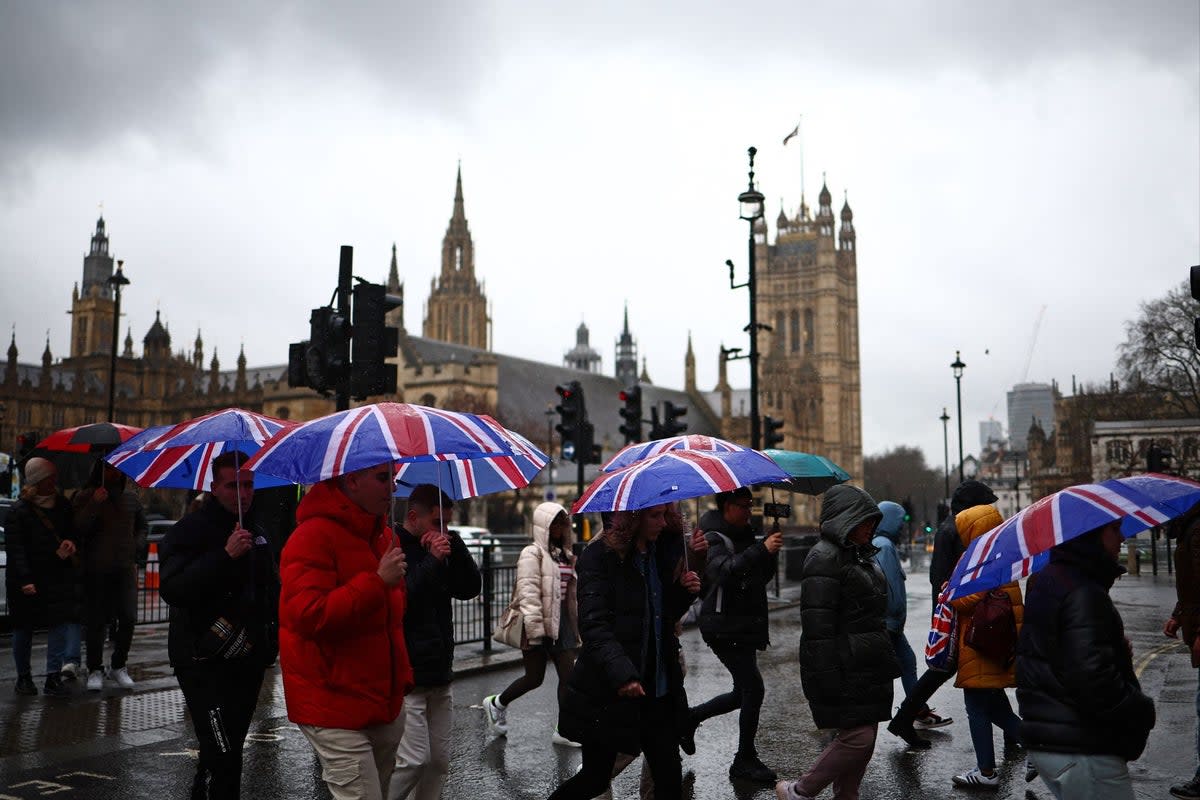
(341, 629)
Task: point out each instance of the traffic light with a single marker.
(298, 364)
(327, 359)
(631, 412)
(771, 435)
(374, 342)
(671, 413)
(908, 510)
(573, 418)
(25, 445)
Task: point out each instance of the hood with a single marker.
(1087, 552)
(543, 515)
(714, 520)
(975, 522)
(969, 494)
(893, 520)
(842, 508)
(326, 501)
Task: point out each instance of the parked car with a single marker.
(476, 539)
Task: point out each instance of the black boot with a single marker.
(55, 687)
(902, 726)
(749, 767)
(687, 736)
(25, 685)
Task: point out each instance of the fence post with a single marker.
(489, 585)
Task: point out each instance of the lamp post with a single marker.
(750, 203)
(551, 476)
(945, 418)
(116, 281)
(958, 366)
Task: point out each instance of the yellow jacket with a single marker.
(976, 671)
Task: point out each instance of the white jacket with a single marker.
(538, 589)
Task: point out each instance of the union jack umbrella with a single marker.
(347, 441)
(694, 441)
(1021, 544)
(941, 647)
(676, 475)
(180, 456)
(475, 477)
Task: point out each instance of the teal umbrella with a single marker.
(810, 474)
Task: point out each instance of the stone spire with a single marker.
(645, 376)
(689, 367)
(239, 385)
(214, 374)
(626, 362)
(128, 352)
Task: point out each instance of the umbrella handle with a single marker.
(237, 474)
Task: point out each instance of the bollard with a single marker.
(489, 584)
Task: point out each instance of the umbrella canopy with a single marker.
(475, 477)
(694, 441)
(98, 437)
(1021, 544)
(362, 437)
(676, 475)
(808, 474)
(180, 456)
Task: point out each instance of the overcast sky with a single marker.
(999, 157)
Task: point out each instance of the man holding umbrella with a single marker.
(218, 575)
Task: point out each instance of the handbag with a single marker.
(511, 630)
(224, 639)
(941, 648)
(992, 630)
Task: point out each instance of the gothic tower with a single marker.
(807, 284)
(582, 356)
(457, 308)
(395, 317)
(626, 358)
(92, 302)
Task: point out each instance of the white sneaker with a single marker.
(977, 780)
(497, 715)
(68, 671)
(558, 738)
(121, 676)
(1031, 772)
(786, 790)
(95, 681)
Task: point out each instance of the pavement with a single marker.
(120, 744)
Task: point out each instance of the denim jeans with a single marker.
(72, 652)
(908, 661)
(22, 645)
(1075, 776)
(985, 708)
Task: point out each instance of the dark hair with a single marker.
(625, 525)
(426, 495)
(231, 459)
(742, 492)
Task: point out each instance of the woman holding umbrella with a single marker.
(625, 693)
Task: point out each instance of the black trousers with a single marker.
(110, 595)
(221, 697)
(747, 694)
(660, 747)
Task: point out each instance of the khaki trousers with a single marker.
(423, 758)
(356, 765)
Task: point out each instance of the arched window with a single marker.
(809, 332)
(428, 400)
(794, 330)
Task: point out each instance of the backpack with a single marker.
(941, 648)
(992, 631)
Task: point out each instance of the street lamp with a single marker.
(945, 418)
(958, 366)
(116, 281)
(750, 205)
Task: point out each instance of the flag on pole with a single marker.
(795, 132)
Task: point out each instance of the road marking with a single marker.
(1144, 661)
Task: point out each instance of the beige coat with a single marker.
(538, 589)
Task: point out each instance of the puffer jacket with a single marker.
(341, 636)
(976, 671)
(538, 588)
(947, 544)
(201, 583)
(618, 643)
(33, 535)
(1076, 686)
(888, 560)
(734, 610)
(847, 662)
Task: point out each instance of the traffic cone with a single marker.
(152, 567)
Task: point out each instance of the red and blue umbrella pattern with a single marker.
(692, 441)
(180, 456)
(475, 477)
(347, 441)
(676, 475)
(1021, 545)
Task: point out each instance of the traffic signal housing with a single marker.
(631, 413)
(374, 342)
(671, 413)
(572, 416)
(327, 358)
(771, 435)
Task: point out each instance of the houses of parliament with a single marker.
(809, 368)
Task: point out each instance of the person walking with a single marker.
(342, 648)
(847, 663)
(218, 575)
(983, 677)
(1185, 619)
(545, 594)
(915, 712)
(733, 622)
(440, 569)
(113, 529)
(625, 694)
(41, 578)
(1085, 715)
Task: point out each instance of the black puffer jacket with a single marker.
(32, 537)
(618, 643)
(947, 544)
(202, 583)
(846, 658)
(734, 610)
(431, 584)
(1075, 681)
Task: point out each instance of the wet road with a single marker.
(119, 745)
